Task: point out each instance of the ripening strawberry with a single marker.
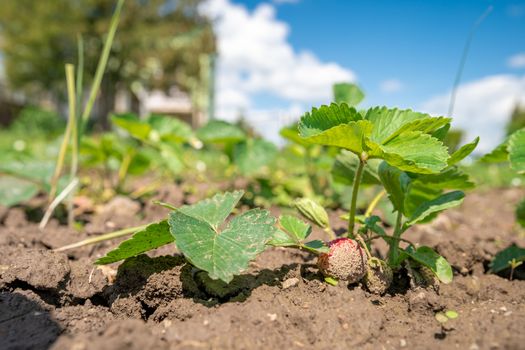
(345, 261)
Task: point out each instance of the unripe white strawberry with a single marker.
(345, 261)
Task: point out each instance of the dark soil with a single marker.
(62, 301)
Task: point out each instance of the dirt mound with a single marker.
(62, 301)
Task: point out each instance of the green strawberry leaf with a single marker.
(252, 155)
(450, 178)
(14, 191)
(213, 210)
(291, 133)
(417, 194)
(350, 136)
(517, 150)
(503, 259)
(424, 188)
(282, 239)
(429, 258)
(371, 224)
(463, 152)
(294, 233)
(225, 253)
(441, 133)
(413, 151)
(299, 229)
(391, 122)
(348, 93)
(326, 117)
(316, 246)
(170, 128)
(345, 166)
(497, 155)
(436, 205)
(133, 125)
(220, 132)
(426, 126)
(153, 236)
(396, 183)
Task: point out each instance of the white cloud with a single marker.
(482, 107)
(279, 2)
(390, 86)
(255, 57)
(517, 60)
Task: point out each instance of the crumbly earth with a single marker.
(346, 261)
(61, 301)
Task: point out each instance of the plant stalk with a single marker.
(374, 202)
(70, 79)
(355, 191)
(101, 67)
(394, 244)
(102, 238)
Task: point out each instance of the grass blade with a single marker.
(101, 67)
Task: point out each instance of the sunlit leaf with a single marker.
(429, 258)
(326, 117)
(252, 155)
(316, 246)
(396, 183)
(217, 131)
(348, 93)
(213, 210)
(132, 124)
(349, 136)
(390, 122)
(414, 152)
(497, 155)
(517, 150)
(444, 201)
(463, 152)
(14, 191)
(222, 253)
(298, 228)
(153, 236)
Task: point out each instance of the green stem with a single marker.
(355, 191)
(101, 67)
(70, 79)
(365, 247)
(102, 238)
(330, 233)
(311, 172)
(394, 244)
(374, 202)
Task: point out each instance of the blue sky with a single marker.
(418, 43)
(278, 58)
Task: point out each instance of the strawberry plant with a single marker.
(403, 151)
(511, 151)
(400, 150)
(222, 249)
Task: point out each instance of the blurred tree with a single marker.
(517, 119)
(158, 45)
